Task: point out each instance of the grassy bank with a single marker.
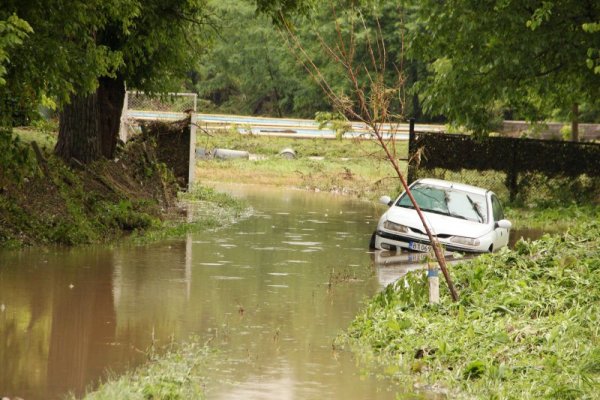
(527, 325)
(204, 208)
(352, 167)
(557, 218)
(175, 374)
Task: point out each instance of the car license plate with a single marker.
(425, 248)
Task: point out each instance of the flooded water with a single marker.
(270, 293)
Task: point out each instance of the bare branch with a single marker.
(370, 102)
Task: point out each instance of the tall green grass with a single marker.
(527, 325)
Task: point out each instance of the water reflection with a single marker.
(524, 233)
(270, 293)
(391, 265)
(56, 326)
(261, 291)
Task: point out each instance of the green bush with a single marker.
(15, 158)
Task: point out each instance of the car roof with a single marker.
(454, 185)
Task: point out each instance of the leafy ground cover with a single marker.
(527, 325)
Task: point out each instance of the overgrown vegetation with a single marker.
(552, 218)
(205, 208)
(43, 201)
(174, 375)
(526, 326)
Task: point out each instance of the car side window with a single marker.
(497, 209)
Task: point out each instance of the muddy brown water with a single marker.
(270, 293)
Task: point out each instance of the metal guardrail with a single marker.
(300, 128)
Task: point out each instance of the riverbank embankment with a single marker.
(45, 201)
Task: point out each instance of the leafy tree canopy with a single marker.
(58, 48)
(529, 55)
(72, 43)
(249, 70)
(61, 55)
(12, 32)
(284, 8)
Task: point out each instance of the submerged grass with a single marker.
(172, 375)
(205, 209)
(527, 325)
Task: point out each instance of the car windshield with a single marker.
(447, 201)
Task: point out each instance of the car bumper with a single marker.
(391, 241)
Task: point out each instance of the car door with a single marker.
(501, 238)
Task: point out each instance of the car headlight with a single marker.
(464, 240)
(392, 226)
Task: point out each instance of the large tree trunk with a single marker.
(78, 130)
(111, 93)
(89, 125)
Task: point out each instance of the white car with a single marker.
(464, 218)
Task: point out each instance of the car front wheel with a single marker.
(372, 242)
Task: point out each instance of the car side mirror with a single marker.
(387, 200)
(504, 224)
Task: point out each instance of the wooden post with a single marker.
(575, 123)
(411, 151)
(40, 159)
(123, 127)
(192, 154)
(512, 174)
